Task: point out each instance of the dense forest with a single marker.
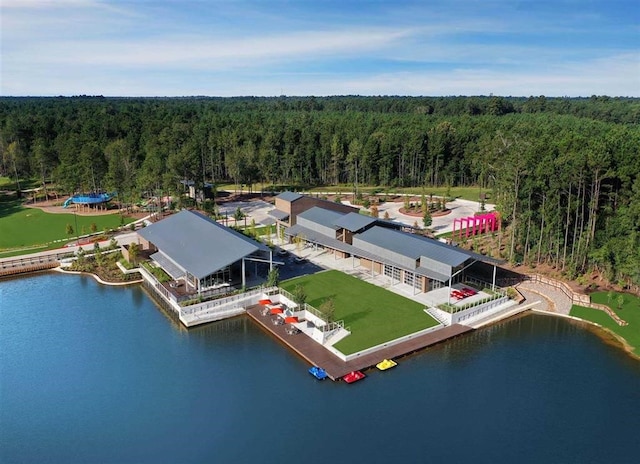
(564, 172)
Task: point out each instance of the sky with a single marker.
(320, 47)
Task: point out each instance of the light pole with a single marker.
(75, 219)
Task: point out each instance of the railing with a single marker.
(329, 326)
(30, 261)
(209, 306)
(575, 298)
(158, 287)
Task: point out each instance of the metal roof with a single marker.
(414, 246)
(354, 221)
(198, 244)
(321, 216)
(289, 196)
(316, 237)
(434, 275)
(279, 215)
(169, 266)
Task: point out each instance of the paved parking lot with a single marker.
(258, 210)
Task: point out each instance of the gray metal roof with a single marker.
(321, 216)
(354, 221)
(289, 196)
(169, 266)
(279, 215)
(432, 274)
(315, 237)
(413, 246)
(198, 244)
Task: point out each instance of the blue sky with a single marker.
(320, 47)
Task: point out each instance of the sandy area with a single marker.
(53, 206)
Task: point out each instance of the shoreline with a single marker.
(600, 331)
(97, 278)
(605, 334)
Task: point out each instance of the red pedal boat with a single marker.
(353, 376)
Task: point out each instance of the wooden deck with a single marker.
(27, 268)
(335, 367)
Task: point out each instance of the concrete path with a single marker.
(552, 299)
(122, 239)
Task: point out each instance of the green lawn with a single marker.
(25, 227)
(466, 193)
(629, 312)
(373, 314)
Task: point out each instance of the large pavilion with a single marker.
(204, 255)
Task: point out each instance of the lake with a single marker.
(99, 374)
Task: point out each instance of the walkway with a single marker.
(551, 299)
(316, 355)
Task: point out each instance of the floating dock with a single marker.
(316, 355)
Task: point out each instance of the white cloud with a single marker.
(202, 52)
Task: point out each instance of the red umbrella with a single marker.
(291, 320)
(264, 302)
(276, 310)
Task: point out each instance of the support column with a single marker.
(244, 280)
(493, 282)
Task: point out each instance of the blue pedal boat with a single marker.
(318, 372)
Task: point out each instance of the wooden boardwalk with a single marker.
(335, 367)
(26, 268)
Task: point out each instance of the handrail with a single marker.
(575, 298)
(26, 261)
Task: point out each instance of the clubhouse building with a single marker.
(379, 246)
(203, 258)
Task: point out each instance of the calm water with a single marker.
(97, 374)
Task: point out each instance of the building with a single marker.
(290, 204)
(202, 256)
(383, 248)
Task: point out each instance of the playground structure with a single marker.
(89, 200)
(474, 225)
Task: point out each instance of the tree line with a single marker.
(563, 171)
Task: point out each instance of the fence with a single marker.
(33, 260)
(575, 298)
(328, 326)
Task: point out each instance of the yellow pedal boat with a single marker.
(386, 364)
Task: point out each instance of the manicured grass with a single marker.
(629, 312)
(24, 227)
(466, 193)
(373, 314)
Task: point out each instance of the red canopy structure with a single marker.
(473, 225)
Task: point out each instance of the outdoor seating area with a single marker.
(462, 293)
(280, 315)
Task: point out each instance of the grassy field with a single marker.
(630, 312)
(466, 193)
(26, 227)
(373, 314)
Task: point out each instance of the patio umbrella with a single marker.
(276, 310)
(264, 302)
(291, 320)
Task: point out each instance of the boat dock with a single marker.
(335, 367)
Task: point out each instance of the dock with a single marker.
(316, 355)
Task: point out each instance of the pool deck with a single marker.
(317, 355)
